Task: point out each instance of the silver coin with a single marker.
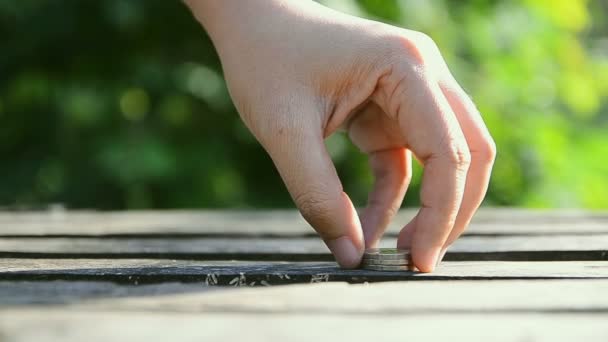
(387, 268)
(386, 253)
(386, 261)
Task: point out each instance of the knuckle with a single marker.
(392, 210)
(486, 151)
(424, 40)
(420, 47)
(460, 157)
(389, 210)
(314, 207)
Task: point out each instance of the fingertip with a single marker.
(441, 255)
(425, 259)
(347, 254)
(406, 235)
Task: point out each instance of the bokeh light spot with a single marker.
(134, 104)
(204, 83)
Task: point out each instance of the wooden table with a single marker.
(516, 275)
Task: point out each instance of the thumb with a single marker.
(311, 178)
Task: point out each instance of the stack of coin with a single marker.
(386, 259)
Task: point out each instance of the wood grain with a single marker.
(431, 297)
(241, 273)
(56, 325)
(22, 293)
(566, 247)
(540, 310)
(167, 275)
(275, 223)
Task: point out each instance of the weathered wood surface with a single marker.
(429, 311)
(242, 273)
(556, 247)
(20, 293)
(156, 276)
(58, 325)
(400, 298)
(276, 223)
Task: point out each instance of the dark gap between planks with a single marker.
(261, 279)
(574, 255)
(244, 235)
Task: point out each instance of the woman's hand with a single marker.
(298, 71)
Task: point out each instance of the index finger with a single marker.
(432, 133)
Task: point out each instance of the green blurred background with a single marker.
(119, 104)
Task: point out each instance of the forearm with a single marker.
(258, 23)
(226, 21)
(217, 16)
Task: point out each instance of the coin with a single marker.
(385, 262)
(386, 259)
(388, 268)
(386, 253)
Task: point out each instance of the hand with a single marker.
(298, 71)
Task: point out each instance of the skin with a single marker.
(298, 71)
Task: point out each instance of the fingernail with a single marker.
(345, 252)
(441, 255)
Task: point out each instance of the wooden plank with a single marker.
(275, 222)
(485, 214)
(55, 325)
(242, 273)
(20, 293)
(577, 247)
(547, 296)
(431, 297)
(549, 310)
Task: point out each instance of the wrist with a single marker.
(235, 22)
(227, 20)
(210, 13)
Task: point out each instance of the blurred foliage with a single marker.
(122, 104)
